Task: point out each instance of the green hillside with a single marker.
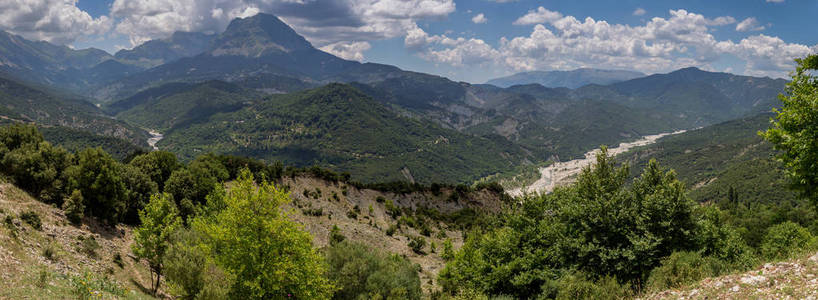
(339, 127)
(23, 103)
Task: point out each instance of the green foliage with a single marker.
(190, 186)
(391, 209)
(341, 127)
(416, 243)
(90, 286)
(140, 188)
(335, 235)
(795, 129)
(32, 163)
(74, 207)
(448, 250)
(576, 285)
(190, 272)
(247, 237)
(158, 165)
(363, 273)
(151, 240)
(390, 231)
(718, 239)
(682, 268)
(598, 226)
(75, 140)
(32, 219)
(99, 178)
(785, 239)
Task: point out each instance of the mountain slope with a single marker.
(694, 96)
(22, 103)
(181, 104)
(568, 79)
(157, 52)
(713, 159)
(339, 127)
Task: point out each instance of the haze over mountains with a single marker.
(569, 79)
(216, 93)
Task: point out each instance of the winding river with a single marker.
(155, 138)
(561, 173)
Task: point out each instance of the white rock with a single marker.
(735, 288)
(814, 257)
(753, 279)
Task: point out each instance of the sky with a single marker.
(471, 41)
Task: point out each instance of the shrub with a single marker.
(315, 212)
(190, 273)
(360, 272)
(391, 230)
(576, 285)
(74, 207)
(335, 235)
(33, 219)
(391, 209)
(380, 199)
(417, 243)
(118, 260)
(681, 268)
(50, 252)
(785, 239)
(89, 246)
(448, 250)
(352, 215)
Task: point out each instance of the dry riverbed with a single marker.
(561, 173)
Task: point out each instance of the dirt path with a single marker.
(562, 173)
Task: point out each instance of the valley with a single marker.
(564, 173)
(260, 158)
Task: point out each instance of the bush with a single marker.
(89, 246)
(50, 251)
(190, 273)
(74, 207)
(448, 250)
(33, 219)
(681, 268)
(392, 210)
(360, 272)
(576, 285)
(335, 235)
(391, 230)
(417, 243)
(785, 239)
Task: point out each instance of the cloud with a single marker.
(540, 15)
(479, 19)
(639, 11)
(682, 39)
(775, 1)
(322, 22)
(57, 21)
(749, 24)
(348, 50)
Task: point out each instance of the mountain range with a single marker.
(569, 79)
(223, 93)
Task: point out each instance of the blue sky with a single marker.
(467, 40)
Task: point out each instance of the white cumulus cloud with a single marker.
(348, 50)
(479, 19)
(639, 11)
(749, 24)
(57, 21)
(682, 39)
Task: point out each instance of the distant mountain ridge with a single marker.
(157, 52)
(568, 79)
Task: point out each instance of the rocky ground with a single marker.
(793, 279)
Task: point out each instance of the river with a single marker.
(155, 138)
(561, 173)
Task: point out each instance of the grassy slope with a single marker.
(26, 272)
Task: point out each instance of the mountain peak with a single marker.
(257, 36)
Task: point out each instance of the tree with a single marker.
(361, 273)
(795, 128)
(254, 239)
(158, 165)
(140, 189)
(151, 240)
(74, 207)
(190, 186)
(190, 272)
(98, 177)
(600, 226)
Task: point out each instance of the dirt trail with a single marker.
(562, 173)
